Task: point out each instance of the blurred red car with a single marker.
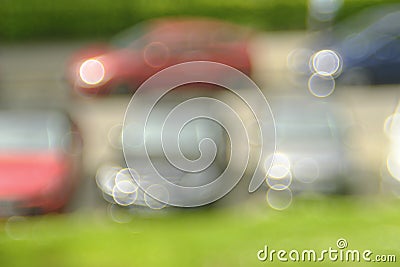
(140, 52)
(39, 161)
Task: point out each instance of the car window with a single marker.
(303, 131)
(304, 121)
(32, 131)
(131, 37)
(368, 23)
(390, 51)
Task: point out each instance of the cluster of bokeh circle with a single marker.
(136, 130)
(279, 179)
(322, 68)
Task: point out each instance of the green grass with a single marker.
(211, 237)
(75, 19)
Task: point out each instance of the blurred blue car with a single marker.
(364, 49)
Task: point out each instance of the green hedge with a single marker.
(67, 19)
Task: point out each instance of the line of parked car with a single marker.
(40, 151)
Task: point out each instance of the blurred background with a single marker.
(68, 69)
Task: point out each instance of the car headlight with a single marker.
(277, 165)
(91, 72)
(326, 63)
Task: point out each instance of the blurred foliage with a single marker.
(61, 19)
(23, 19)
(204, 237)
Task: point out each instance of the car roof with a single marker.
(179, 26)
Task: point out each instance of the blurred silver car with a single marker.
(310, 154)
(116, 181)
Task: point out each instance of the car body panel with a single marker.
(164, 42)
(38, 165)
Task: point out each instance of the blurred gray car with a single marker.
(115, 179)
(310, 155)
